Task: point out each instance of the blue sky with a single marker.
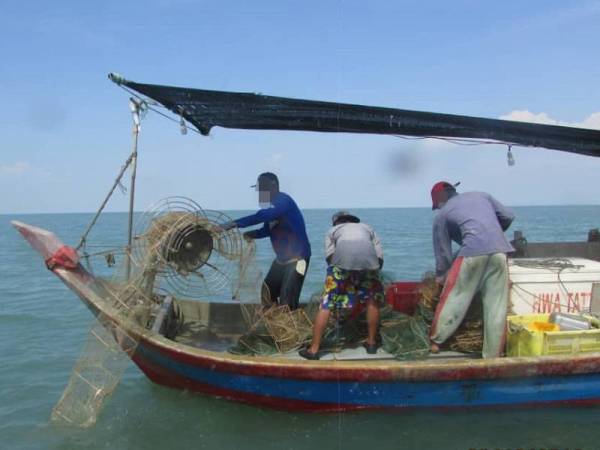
(66, 129)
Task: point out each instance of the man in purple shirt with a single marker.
(476, 221)
(283, 223)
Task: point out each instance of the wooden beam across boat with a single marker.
(206, 109)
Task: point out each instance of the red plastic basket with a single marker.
(403, 296)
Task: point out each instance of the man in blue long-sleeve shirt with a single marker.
(283, 223)
(476, 221)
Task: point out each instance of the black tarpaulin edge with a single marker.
(206, 109)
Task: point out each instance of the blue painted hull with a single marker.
(311, 394)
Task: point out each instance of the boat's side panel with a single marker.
(330, 387)
(382, 370)
(328, 395)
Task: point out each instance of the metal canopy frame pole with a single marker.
(135, 106)
(117, 182)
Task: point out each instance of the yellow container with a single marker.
(526, 337)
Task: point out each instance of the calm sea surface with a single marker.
(43, 326)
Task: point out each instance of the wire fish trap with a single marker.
(186, 249)
(196, 233)
(468, 340)
(290, 330)
(96, 374)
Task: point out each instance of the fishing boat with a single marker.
(350, 380)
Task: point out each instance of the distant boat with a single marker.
(357, 381)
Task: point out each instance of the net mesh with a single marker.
(404, 336)
(181, 252)
(96, 374)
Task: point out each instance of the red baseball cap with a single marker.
(438, 189)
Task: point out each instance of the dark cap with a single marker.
(344, 215)
(439, 188)
(266, 180)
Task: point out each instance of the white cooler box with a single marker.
(544, 285)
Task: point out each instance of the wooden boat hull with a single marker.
(362, 387)
(342, 385)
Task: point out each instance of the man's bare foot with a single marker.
(434, 348)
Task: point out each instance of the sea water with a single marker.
(43, 326)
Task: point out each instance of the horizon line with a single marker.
(302, 209)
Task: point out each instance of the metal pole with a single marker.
(114, 186)
(135, 111)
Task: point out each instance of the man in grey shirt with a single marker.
(476, 221)
(354, 257)
(351, 245)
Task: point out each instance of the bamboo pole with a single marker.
(135, 112)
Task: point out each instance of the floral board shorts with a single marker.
(343, 288)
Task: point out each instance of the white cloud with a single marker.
(592, 121)
(21, 168)
(18, 168)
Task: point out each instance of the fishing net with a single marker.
(280, 330)
(247, 288)
(181, 252)
(108, 349)
(289, 329)
(96, 374)
(406, 337)
(402, 336)
(275, 330)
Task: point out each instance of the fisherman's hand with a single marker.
(228, 225)
(248, 236)
(440, 281)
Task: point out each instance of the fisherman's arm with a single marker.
(259, 233)
(442, 247)
(505, 215)
(329, 246)
(264, 215)
(378, 247)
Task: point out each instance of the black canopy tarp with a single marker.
(206, 109)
